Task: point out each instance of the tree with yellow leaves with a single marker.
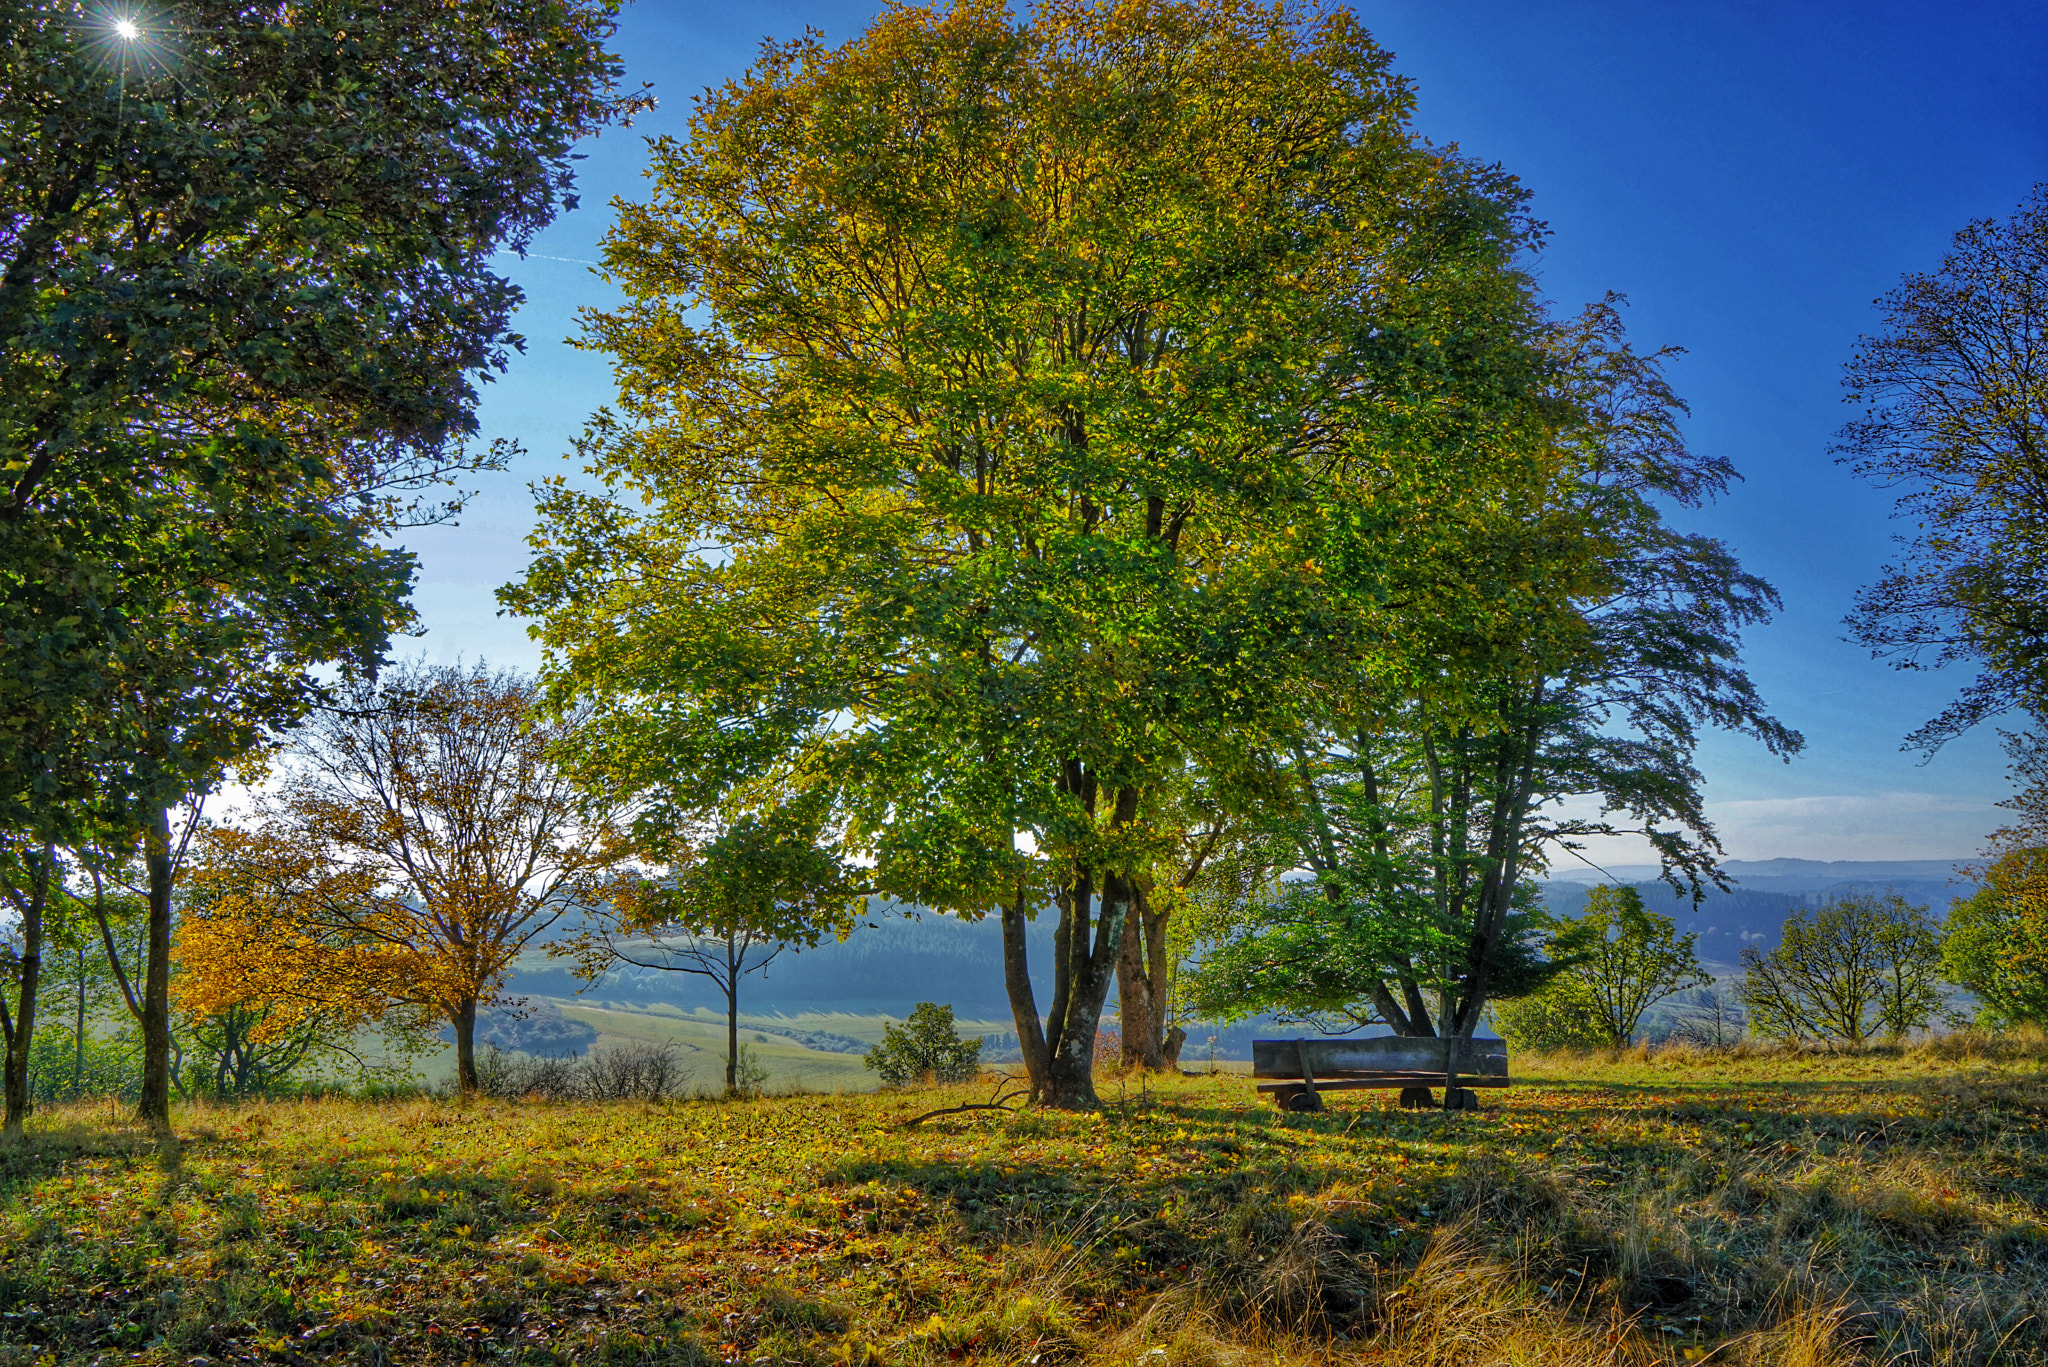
(268, 974)
(422, 837)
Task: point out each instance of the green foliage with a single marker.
(1309, 952)
(1995, 943)
(1558, 1016)
(240, 1051)
(924, 1049)
(1861, 965)
(1955, 399)
(1044, 403)
(108, 1065)
(1421, 812)
(250, 291)
(250, 287)
(1613, 963)
(1626, 958)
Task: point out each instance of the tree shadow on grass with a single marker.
(46, 1149)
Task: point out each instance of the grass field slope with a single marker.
(1656, 1207)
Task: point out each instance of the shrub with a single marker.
(622, 1072)
(633, 1072)
(58, 1070)
(925, 1046)
(749, 1075)
(1558, 1016)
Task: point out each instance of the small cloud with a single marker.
(1887, 825)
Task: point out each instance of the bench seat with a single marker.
(1297, 1071)
(1346, 1083)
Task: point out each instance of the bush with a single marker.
(1559, 1016)
(925, 1047)
(622, 1072)
(112, 1066)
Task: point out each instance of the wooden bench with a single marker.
(1303, 1069)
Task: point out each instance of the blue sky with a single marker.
(1751, 176)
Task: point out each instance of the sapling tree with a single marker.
(925, 1047)
(730, 902)
(1626, 959)
(1615, 961)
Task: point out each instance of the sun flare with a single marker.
(126, 28)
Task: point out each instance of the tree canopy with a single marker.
(1419, 814)
(1006, 405)
(247, 292)
(1954, 391)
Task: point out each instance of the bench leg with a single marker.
(1297, 1099)
(1417, 1099)
(1463, 1099)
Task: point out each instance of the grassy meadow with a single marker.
(1656, 1207)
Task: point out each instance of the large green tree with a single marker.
(247, 291)
(1419, 814)
(1004, 400)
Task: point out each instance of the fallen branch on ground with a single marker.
(999, 1101)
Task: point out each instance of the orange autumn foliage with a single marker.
(271, 922)
(422, 838)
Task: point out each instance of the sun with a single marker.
(126, 28)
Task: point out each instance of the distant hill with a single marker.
(1789, 875)
(882, 969)
(886, 968)
(1766, 893)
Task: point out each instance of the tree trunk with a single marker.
(78, 1039)
(1159, 981)
(732, 1039)
(1137, 1013)
(463, 1018)
(1070, 1070)
(24, 1024)
(154, 1106)
(1141, 975)
(1023, 1002)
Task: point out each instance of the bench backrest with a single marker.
(1383, 1054)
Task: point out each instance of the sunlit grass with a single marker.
(1879, 1208)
